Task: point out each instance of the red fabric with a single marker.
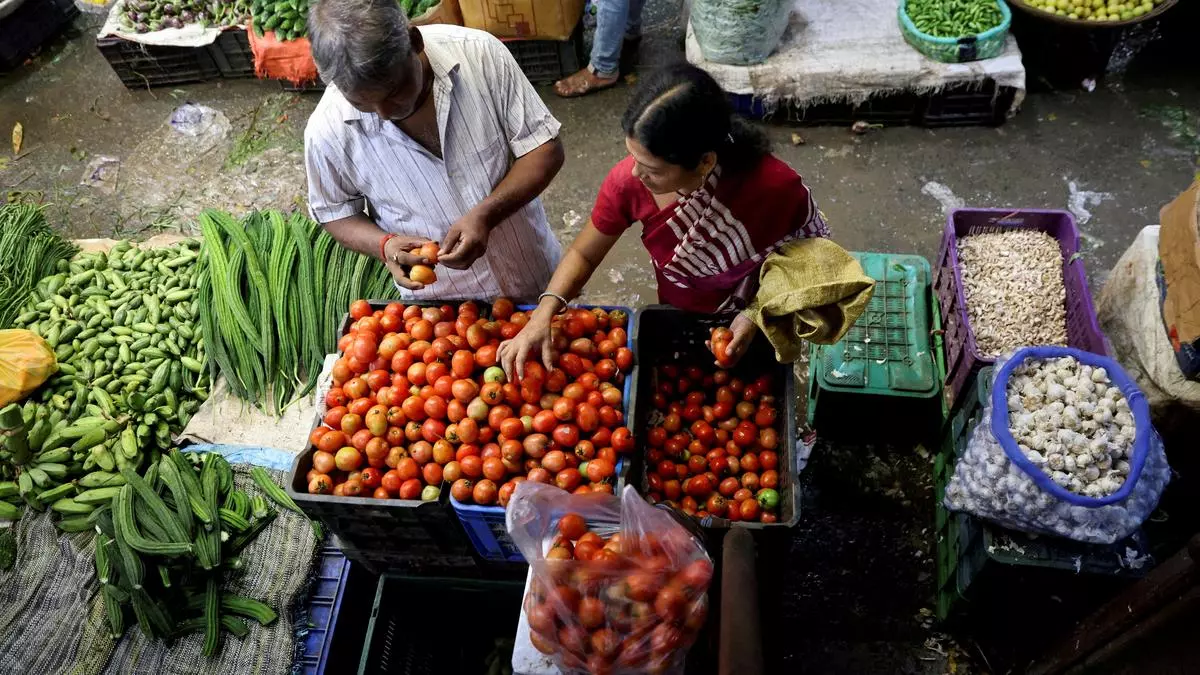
(706, 243)
(277, 60)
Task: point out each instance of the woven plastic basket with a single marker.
(985, 45)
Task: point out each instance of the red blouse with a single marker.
(703, 245)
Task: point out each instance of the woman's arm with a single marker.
(581, 259)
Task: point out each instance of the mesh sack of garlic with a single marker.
(1064, 447)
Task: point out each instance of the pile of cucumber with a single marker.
(131, 366)
(287, 18)
(165, 543)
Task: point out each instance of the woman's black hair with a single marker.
(679, 113)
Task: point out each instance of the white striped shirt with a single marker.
(488, 114)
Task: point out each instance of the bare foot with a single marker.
(582, 83)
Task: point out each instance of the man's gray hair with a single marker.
(358, 43)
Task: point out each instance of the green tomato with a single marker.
(430, 493)
(494, 374)
(768, 499)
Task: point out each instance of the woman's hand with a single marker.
(743, 330)
(533, 340)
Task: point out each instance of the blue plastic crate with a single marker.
(485, 525)
(324, 603)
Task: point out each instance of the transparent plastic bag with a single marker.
(637, 601)
(997, 480)
(25, 363)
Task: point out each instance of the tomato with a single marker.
(599, 470)
(320, 484)
(435, 407)
(410, 489)
(485, 492)
(452, 471)
(333, 417)
(485, 356)
(472, 466)
(323, 462)
(750, 481)
(408, 468)
(433, 430)
(749, 462)
(391, 481)
(432, 473)
(332, 441)
(376, 450)
(622, 440)
(493, 469)
(348, 459)
(566, 435)
(360, 309)
(749, 509)
(745, 434)
(512, 428)
(421, 452)
(371, 478)
(535, 445)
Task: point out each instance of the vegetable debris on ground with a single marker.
(273, 288)
(29, 251)
(1013, 284)
(131, 372)
(954, 18)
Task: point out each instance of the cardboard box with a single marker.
(523, 19)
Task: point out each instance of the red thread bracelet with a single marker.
(383, 246)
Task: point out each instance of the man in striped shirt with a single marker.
(430, 134)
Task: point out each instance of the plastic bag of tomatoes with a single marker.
(617, 586)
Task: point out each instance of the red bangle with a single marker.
(383, 246)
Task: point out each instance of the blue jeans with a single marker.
(615, 21)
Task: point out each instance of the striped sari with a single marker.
(706, 243)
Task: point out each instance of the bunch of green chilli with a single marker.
(29, 251)
(954, 18)
(167, 541)
(131, 371)
(273, 288)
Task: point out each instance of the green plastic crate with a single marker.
(893, 350)
(967, 547)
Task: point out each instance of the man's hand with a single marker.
(398, 259)
(465, 242)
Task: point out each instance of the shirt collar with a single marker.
(441, 62)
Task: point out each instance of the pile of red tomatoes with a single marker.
(714, 445)
(418, 400)
(615, 604)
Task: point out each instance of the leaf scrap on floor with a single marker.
(18, 135)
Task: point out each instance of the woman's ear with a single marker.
(708, 161)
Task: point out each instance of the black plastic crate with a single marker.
(406, 535)
(663, 334)
(29, 26)
(985, 104)
(139, 65)
(547, 61)
(231, 52)
(400, 637)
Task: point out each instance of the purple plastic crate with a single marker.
(963, 358)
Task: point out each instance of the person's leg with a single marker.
(633, 36)
(604, 70)
(612, 18)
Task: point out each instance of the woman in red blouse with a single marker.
(711, 198)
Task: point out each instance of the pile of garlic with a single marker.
(1013, 285)
(1073, 423)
